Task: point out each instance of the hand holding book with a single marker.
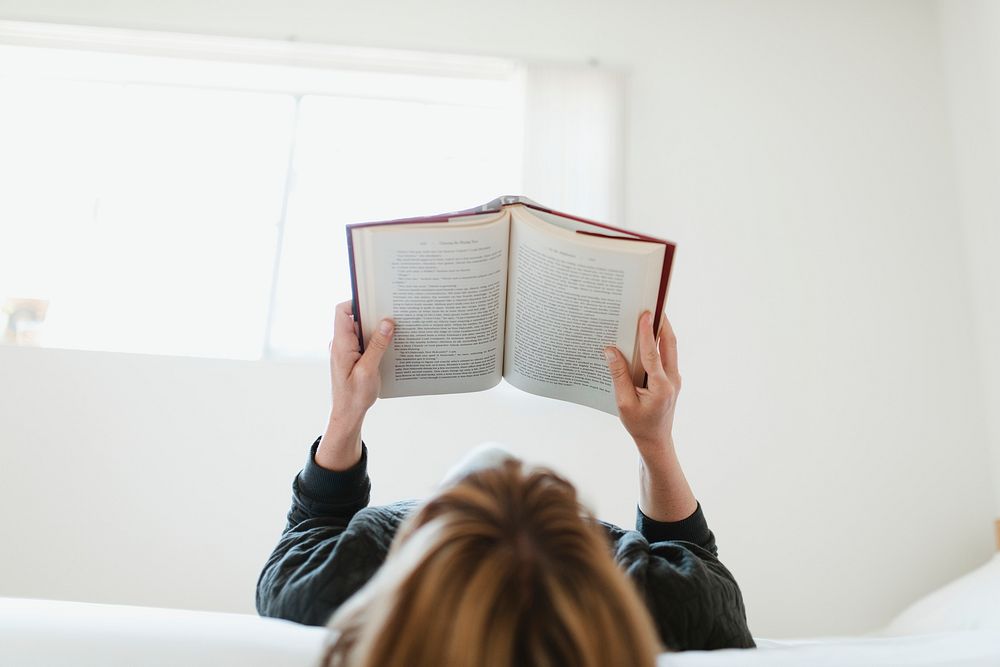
(648, 412)
(355, 383)
(648, 415)
(509, 290)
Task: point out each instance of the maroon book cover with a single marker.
(495, 206)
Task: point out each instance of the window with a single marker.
(143, 215)
(358, 159)
(188, 195)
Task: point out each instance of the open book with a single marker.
(509, 289)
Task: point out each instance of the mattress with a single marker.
(967, 648)
(79, 634)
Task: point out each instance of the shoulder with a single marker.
(330, 576)
(694, 599)
(667, 559)
(380, 522)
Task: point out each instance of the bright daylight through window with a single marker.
(188, 195)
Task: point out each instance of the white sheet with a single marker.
(79, 634)
(950, 649)
(54, 633)
(971, 602)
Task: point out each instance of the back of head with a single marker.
(502, 568)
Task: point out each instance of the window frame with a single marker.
(283, 67)
(559, 163)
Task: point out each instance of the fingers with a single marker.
(668, 351)
(625, 394)
(377, 345)
(345, 337)
(648, 352)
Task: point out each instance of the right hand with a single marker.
(648, 413)
(354, 377)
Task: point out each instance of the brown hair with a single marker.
(504, 568)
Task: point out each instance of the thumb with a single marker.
(377, 345)
(620, 376)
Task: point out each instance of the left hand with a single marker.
(648, 413)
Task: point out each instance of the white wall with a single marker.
(833, 419)
(971, 36)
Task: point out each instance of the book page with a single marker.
(445, 285)
(576, 225)
(568, 297)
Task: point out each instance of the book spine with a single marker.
(355, 303)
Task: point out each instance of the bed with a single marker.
(963, 648)
(957, 626)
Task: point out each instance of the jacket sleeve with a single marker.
(309, 573)
(694, 600)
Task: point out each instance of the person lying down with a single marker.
(503, 566)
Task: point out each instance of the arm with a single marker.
(648, 416)
(315, 565)
(673, 560)
(693, 599)
(303, 579)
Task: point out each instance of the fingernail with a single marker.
(609, 355)
(385, 327)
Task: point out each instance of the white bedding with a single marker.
(971, 602)
(55, 633)
(956, 626)
(78, 634)
(947, 649)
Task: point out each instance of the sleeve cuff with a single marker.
(692, 529)
(333, 486)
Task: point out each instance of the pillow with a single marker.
(971, 602)
(53, 633)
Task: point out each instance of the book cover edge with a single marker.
(496, 205)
